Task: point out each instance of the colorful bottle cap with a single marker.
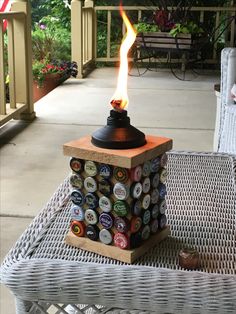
(162, 207)
(146, 217)
(122, 224)
(163, 175)
(146, 185)
(155, 178)
(154, 226)
(76, 181)
(90, 184)
(162, 221)
(146, 201)
(136, 208)
(136, 190)
(92, 232)
(104, 186)
(77, 197)
(146, 168)
(121, 240)
(78, 228)
(163, 160)
(155, 164)
(135, 225)
(105, 204)
(136, 174)
(146, 232)
(76, 164)
(155, 211)
(154, 196)
(162, 190)
(121, 191)
(91, 199)
(121, 174)
(105, 171)
(106, 220)
(105, 236)
(77, 213)
(121, 208)
(135, 240)
(90, 168)
(91, 216)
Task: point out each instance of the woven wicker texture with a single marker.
(201, 211)
(227, 131)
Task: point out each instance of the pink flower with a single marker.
(42, 26)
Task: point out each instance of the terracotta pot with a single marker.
(51, 81)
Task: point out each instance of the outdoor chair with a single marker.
(44, 273)
(225, 130)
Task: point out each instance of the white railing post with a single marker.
(77, 35)
(2, 73)
(23, 58)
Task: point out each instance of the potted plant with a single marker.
(170, 27)
(50, 45)
(48, 75)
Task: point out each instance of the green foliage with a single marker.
(50, 40)
(188, 28)
(56, 8)
(143, 27)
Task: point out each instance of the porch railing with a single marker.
(16, 59)
(85, 47)
(83, 21)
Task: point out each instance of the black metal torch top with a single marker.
(118, 133)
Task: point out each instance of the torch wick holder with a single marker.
(118, 133)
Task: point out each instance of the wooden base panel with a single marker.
(126, 256)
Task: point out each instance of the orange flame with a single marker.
(120, 98)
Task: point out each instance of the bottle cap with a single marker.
(77, 197)
(91, 217)
(136, 190)
(78, 228)
(90, 184)
(90, 168)
(91, 199)
(146, 168)
(121, 208)
(77, 213)
(122, 224)
(76, 165)
(105, 236)
(105, 204)
(92, 232)
(106, 220)
(146, 185)
(136, 174)
(121, 191)
(121, 174)
(105, 171)
(121, 240)
(76, 181)
(136, 223)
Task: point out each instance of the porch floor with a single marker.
(32, 164)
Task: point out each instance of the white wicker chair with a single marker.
(43, 272)
(227, 116)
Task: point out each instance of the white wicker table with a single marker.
(43, 272)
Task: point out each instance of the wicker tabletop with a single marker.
(201, 201)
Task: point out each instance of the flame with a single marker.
(120, 98)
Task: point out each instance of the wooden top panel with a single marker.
(127, 158)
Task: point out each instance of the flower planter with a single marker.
(50, 82)
(163, 40)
